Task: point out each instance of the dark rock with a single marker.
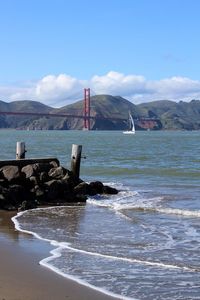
(66, 184)
(95, 187)
(29, 183)
(57, 173)
(69, 178)
(12, 173)
(53, 164)
(79, 198)
(12, 196)
(27, 205)
(39, 194)
(33, 180)
(44, 183)
(68, 196)
(3, 182)
(3, 201)
(44, 176)
(28, 170)
(54, 190)
(42, 167)
(82, 188)
(109, 190)
(1, 174)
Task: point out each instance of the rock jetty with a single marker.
(31, 185)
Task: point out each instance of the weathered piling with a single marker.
(20, 150)
(76, 160)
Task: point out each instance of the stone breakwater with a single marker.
(36, 184)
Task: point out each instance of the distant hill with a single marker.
(30, 122)
(156, 115)
(173, 115)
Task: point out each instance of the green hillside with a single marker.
(111, 114)
(173, 115)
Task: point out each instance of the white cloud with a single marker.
(63, 89)
(118, 84)
(51, 90)
(56, 87)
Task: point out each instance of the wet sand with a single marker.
(21, 276)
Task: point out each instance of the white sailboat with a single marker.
(131, 125)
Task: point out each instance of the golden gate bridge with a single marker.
(86, 113)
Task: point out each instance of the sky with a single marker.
(142, 50)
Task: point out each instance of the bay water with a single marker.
(142, 243)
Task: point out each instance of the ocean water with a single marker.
(142, 243)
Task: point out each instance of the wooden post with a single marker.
(20, 150)
(76, 160)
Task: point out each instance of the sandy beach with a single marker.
(21, 276)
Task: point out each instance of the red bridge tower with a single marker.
(86, 109)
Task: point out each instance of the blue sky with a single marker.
(143, 50)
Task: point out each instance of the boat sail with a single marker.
(131, 125)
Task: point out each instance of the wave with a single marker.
(128, 199)
(125, 259)
(172, 211)
(55, 253)
(183, 212)
(125, 199)
(64, 245)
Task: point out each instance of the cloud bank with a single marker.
(64, 89)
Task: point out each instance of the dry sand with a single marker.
(21, 276)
